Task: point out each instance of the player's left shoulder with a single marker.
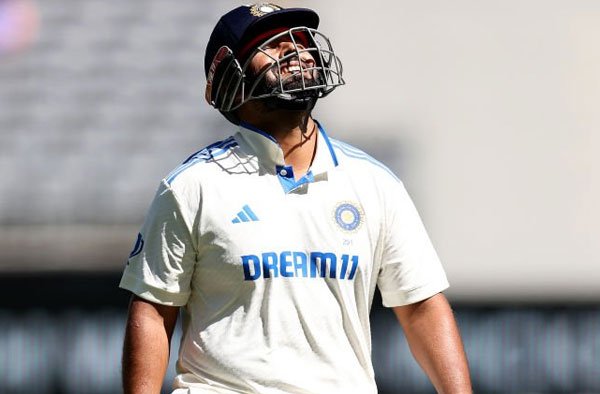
(359, 162)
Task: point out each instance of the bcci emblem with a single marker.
(348, 216)
(263, 9)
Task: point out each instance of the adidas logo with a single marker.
(245, 215)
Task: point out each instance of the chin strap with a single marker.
(299, 101)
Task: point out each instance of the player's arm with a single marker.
(146, 347)
(435, 343)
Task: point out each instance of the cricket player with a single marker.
(272, 241)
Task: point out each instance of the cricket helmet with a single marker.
(246, 31)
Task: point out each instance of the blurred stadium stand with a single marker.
(108, 100)
(109, 97)
(69, 330)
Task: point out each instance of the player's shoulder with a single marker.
(202, 162)
(357, 160)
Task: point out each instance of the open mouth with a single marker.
(295, 67)
(292, 69)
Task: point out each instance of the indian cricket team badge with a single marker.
(261, 9)
(349, 216)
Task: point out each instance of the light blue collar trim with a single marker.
(325, 157)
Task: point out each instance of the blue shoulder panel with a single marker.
(210, 152)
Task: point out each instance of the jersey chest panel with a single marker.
(326, 232)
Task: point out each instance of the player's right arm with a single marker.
(158, 273)
(146, 347)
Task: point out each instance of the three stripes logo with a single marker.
(245, 215)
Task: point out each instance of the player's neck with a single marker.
(299, 145)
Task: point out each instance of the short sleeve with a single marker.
(410, 269)
(161, 264)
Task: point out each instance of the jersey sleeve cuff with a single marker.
(400, 298)
(151, 293)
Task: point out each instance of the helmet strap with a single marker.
(297, 101)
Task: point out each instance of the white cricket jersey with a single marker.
(275, 275)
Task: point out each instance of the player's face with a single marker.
(293, 70)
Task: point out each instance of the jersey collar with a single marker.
(270, 156)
